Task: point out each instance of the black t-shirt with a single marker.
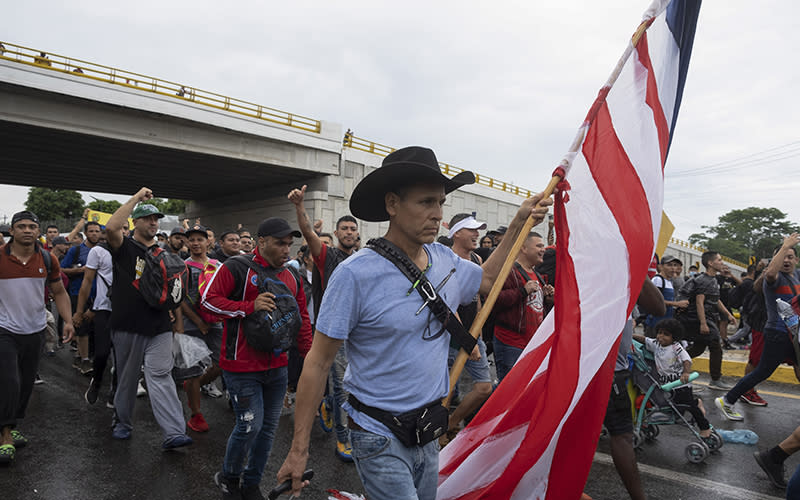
(708, 286)
(726, 285)
(129, 311)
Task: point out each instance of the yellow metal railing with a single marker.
(686, 244)
(85, 69)
(360, 144)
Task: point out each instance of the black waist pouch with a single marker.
(413, 428)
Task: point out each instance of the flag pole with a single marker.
(486, 308)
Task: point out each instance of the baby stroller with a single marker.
(654, 407)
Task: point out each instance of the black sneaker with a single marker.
(774, 471)
(251, 493)
(92, 392)
(230, 489)
(87, 367)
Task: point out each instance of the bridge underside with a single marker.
(47, 157)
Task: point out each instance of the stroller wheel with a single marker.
(696, 452)
(650, 432)
(714, 441)
(637, 438)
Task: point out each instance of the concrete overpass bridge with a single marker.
(74, 124)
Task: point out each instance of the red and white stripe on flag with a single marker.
(536, 436)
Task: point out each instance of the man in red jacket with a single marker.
(256, 380)
(520, 306)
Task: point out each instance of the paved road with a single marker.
(72, 455)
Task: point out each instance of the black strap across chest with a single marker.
(396, 256)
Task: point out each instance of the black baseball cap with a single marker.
(24, 215)
(5, 229)
(177, 230)
(60, 240)
(197, 229)
(277, 227)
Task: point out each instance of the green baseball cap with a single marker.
(146, 210)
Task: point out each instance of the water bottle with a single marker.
(788, 316)
(743, 436)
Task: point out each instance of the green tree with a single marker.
(51, 204)
(170, 206)
(745, 232)
(107, 206)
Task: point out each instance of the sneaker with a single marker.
(176, 442)
(20, 441)
(76, 362)
(211, 390)
(197, 423)
(87, 367)
(774, 471)
(719, 385)
(325, 416)
(727, 346)
(73, 346)
(51, 353)
(92, 392)
(230, 488)
(751, 397)
(120, 433)
(344, 452)
(728, 410)
(251, 493)
(110, 403)
(7, 453)
(38, 380)
(140, 390)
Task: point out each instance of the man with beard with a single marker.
(177, 242)
(142, 335)
(326, 258)
(520, 305)
(73, 266)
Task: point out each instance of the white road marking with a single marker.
(731, 492)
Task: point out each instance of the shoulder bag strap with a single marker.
(393, 254)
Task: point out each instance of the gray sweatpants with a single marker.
(131, 350)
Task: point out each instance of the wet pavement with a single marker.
(72, 454)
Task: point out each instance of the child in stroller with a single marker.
(667, 404)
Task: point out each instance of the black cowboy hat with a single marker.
(403, 167)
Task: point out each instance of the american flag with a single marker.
(536, 436)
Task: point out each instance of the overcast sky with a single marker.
(494, 87)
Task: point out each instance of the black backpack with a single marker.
(275, 331)
(164, 280)
(737, 296)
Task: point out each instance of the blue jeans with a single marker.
(777, 347)
(257, 399)
(390, 471)
(504, 358)
(339, 395)
(793, 487)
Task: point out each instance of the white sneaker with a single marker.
(728, 410)
(140, 390)
(211, 390)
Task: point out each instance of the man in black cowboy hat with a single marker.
(396, 343)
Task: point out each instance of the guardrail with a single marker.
(85, 69)
(686, 244)
(360, 144)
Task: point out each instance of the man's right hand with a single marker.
(265, 302)
(293, 468)
(791, 241)
(704, 328)
(297, 196)
(144, 194)
(531, 286)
